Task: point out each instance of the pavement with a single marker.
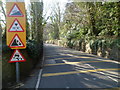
(68, 68)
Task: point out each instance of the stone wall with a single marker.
(92, 47)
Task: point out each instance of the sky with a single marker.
(48, 4)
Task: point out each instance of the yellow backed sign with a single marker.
(16, 25)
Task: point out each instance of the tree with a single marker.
(3, 22)
(56, 19)
(36, 21)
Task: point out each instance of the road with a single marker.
(67, 68)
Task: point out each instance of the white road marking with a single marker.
(38, 80)
(112, 79)
(102, 73)
(86, 79)
(39, 77)
(90, 66)
(112, 61)
(109, 76)
(96, 57)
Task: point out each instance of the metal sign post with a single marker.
(17, 57)
(16, 31)
(17, 72)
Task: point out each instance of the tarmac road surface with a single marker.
(67, 68)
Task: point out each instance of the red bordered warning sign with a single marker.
(15, 12)
(16, 27)
(16, 42)
(17, 57)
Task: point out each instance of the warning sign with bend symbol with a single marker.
(15, 12)
(17, 57)
(16, 42)
(16, 27)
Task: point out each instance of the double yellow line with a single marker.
(79, 71)
(69, 58)
(71, 63)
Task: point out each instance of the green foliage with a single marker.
(35, 50)
(116, 43)
(90, 23)
(35, 40)
(91, 19)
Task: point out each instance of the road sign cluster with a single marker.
(16, 29)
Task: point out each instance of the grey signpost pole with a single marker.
(17, 72)
(17, 69)
(17, 63)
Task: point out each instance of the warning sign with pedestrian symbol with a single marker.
(16, 42)
(16, 27)
(17, 57)
(15, 12)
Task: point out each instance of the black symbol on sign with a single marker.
(17, 56)
(16, 24)
(16, 43)
(15, 11)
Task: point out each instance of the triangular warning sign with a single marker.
(16, 42)
(16, 27)
(17, 57)
(15, 12)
